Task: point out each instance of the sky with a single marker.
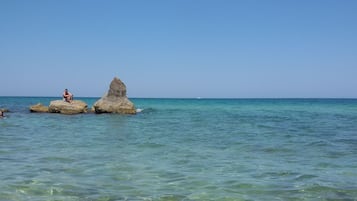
(180, 48)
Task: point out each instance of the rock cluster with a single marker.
(115, 101)
(60, 106)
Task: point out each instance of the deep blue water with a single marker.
(182, 149)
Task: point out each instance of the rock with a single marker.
(38, 108)
(4, 110)
(115, 101)
(63, 107)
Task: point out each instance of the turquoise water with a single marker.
(182, 149)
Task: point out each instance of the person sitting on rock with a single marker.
(67, 96)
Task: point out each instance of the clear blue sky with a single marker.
(180, 48)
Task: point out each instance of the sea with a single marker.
(181, 150)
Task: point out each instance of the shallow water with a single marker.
(182, 149)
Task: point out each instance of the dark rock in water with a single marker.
(63, 107)
(38, 108)
(115, 101)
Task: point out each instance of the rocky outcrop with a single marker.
(63, 107)
(115, 101)
(38, 108)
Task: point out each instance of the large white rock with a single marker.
(63, 107)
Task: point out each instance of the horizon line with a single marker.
(198, 98)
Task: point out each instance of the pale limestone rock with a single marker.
(115, 101)
(4, 110)
(63, 107)
(38, 108)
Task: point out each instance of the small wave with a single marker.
(146, 110)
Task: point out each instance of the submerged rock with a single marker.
(38, 108)
(63, 107)
(115, 101)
